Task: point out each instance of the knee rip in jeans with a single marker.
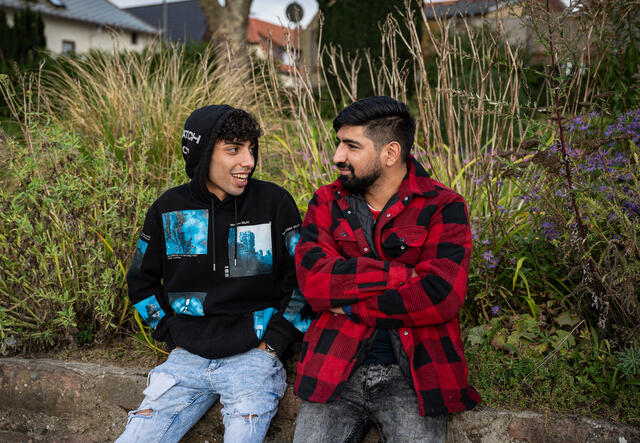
(144, 412)
(249, 417)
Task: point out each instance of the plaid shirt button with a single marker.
(406, 333)
(388, 214)
(365, 249)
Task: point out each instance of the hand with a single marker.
(263, 346)
(337, 311)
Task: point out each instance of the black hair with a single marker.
(240, 126)
(384, 119)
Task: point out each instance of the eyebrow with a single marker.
(236, 143)
(348, 140)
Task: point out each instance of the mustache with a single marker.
(344, 165)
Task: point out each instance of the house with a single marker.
(186, 23)
(76, 26)
(282, 43)
(185, 20)
(491, 13)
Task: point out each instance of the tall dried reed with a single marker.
(143, 97)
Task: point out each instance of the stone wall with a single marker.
(50, 400)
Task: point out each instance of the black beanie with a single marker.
(200, 131)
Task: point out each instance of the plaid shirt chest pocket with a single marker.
(345, 239)
(404, 243)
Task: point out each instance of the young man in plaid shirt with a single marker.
(383, 261)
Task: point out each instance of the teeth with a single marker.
(240, 176)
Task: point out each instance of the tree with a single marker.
(355, 26)
(6, 47)
(22, 42)
(28, 36)
(228, 26)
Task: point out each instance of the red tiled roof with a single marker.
(259, 32)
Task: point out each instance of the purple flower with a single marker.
(549, 231)
(496, 310)
(489, 260)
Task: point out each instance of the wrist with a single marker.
(267, 348)
(270, 348)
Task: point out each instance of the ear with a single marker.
(391, 153)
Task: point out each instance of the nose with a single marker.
(339, 156)
(248, 159)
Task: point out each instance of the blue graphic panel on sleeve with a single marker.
(136, 263)
(185, 232)
(295, 312)
(261, 319)
(291, 240)
(150, 311)
(188, 303)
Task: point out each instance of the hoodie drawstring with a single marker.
(235, 229)
(235, 243)
(213, 237)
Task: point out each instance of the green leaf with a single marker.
(477, 335)
(515, 276)
(567, 319)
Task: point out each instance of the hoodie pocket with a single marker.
(261, 320)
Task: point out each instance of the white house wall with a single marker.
(87, 36)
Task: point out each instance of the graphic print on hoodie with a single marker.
(252, 254)
(185, 232)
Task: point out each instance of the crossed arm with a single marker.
(431, 292)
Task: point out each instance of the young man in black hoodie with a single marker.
(213, 275)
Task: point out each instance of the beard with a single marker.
(359, 184)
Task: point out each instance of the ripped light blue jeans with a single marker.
(184, 387)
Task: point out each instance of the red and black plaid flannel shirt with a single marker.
(426, 228)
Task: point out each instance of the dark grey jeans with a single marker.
(374, 394)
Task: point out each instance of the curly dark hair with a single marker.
(240, 126)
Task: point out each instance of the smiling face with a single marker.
(230, 166)
(357, 159)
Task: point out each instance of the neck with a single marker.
(379, 193)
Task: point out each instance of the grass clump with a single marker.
(66, 238)
(518, 362)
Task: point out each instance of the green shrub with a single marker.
(68, 231)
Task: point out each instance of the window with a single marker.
(68, 47)
(134, 38)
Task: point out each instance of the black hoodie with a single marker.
(217, 277)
